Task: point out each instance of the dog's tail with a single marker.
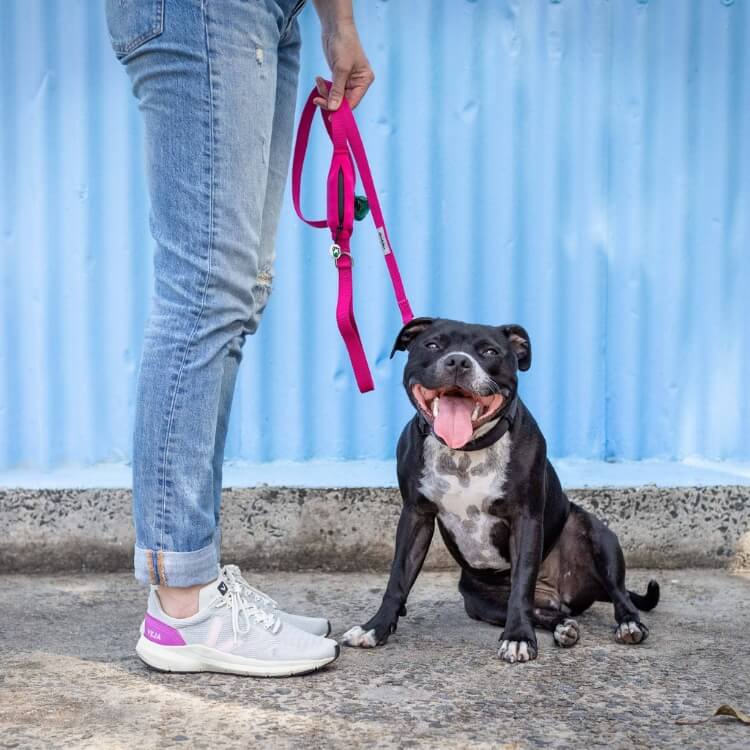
(647, 601)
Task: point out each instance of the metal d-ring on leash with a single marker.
(343, 208)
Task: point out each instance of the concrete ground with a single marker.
(69, 677)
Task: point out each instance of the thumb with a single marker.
(336, 92)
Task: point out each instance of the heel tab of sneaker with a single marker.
(154, 604)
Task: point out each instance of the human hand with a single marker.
(352, 74)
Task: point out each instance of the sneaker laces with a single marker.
(241, 607)
(263, 599)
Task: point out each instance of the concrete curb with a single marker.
(353, 528)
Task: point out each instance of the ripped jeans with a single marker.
(216, 84)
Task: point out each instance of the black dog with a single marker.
(474, 460)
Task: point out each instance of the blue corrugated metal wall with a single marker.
(580, 167)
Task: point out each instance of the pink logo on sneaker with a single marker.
(161, 633)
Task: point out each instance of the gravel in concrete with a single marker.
(343, 529)
(69, 677)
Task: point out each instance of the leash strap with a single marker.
(348, 150)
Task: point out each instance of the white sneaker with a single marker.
(230, 633)
(314, 625)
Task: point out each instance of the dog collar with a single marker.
(503, 423)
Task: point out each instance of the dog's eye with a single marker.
(432, 345)
(489, 352)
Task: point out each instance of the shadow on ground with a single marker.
(69, 678)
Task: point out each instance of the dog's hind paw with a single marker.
(567, 633)
(631, 632)
(516, 651)
(359, 637)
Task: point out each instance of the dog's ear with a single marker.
(521, 344)
(409, 332)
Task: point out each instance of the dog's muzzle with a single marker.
(455, 412)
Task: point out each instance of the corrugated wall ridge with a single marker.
(581, 168)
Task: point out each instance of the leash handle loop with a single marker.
(348, 150)
(298, 160)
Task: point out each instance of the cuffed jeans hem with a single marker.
(164, 568)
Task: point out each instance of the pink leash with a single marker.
(347, 142)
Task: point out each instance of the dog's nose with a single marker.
(457, 362)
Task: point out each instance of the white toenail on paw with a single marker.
(630, 632)
(515, 651)
(359, 637)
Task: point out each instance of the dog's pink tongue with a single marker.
(453, 423)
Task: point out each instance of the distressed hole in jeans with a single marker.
(262, 288)
(259, 56)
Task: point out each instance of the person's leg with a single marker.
(287, 72)
(207, 88)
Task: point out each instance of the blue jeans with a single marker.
(216, 83)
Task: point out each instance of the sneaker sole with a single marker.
(205, 659)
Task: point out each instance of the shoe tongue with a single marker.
(453, 423)
(211, 591)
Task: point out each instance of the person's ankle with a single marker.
(179, 602)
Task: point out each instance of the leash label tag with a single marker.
(384, 241)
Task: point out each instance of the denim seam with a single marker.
(295, 11)
(157, 28)
(160, 568)
(199, 316)
(150, 566)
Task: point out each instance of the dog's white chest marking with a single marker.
(463, 484)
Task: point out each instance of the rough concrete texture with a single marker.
(69, 677)
(345, 529)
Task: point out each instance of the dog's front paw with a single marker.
(359, 637)
(517, 651)
(631, 632)
(374, 632)
(567, 633)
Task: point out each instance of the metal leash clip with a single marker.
(336, 252)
